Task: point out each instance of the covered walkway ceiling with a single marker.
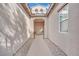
(38, 9)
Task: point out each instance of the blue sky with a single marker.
(42, 4)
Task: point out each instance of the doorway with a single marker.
(39, 27)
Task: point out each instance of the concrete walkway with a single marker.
(39, 48)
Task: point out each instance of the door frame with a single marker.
(39, 21)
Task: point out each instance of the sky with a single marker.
(42, 4)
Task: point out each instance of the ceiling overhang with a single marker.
(27, 9)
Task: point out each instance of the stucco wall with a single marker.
(68, 42)
(13, 28)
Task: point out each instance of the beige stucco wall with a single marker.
(14, 25)
(68, 42)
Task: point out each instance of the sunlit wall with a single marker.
(14, 25)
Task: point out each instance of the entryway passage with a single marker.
(40, 47)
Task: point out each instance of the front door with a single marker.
(39, 28)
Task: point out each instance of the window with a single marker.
(36, 10)
(63, 17)
(41, 10)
